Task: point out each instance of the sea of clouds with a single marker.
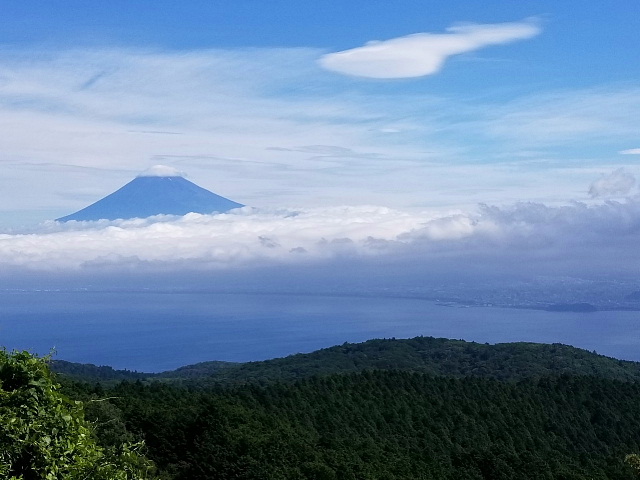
(523, 238)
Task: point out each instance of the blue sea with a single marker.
(151, 331)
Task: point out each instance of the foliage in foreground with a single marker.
(44, 435)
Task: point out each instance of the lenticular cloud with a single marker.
(423, 54)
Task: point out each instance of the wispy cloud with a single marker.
(630, 151)
(592, 114)
(269, 127)
(95, 109)
(423, 54)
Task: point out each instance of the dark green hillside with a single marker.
(199, 370)
(422, 408)
(87, 372)
(434, 356)
(385, 425)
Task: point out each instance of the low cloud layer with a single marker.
(245, 237)
(523, 239)
(423, 54)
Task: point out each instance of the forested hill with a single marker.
(433, 356)
(383, 409)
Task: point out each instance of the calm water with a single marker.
(158, 331)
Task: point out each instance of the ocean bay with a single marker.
(154, 331)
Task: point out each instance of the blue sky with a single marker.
(374, 119)
(537, 117)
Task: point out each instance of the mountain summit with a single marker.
(160, 190)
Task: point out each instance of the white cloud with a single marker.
(206, 241)
(423, 54)
(617, 183)
(517, 239)
(162, 171)
(630, 151)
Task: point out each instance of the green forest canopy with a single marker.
(421, 408)
(387, 409)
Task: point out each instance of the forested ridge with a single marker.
(421, 408)
(434, 356)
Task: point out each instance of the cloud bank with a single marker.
(523, 239)
(423, 54)
(245, 237)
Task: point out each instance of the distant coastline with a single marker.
(438, 300)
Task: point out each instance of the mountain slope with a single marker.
(146, 196)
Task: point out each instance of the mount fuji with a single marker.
(160, 190)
